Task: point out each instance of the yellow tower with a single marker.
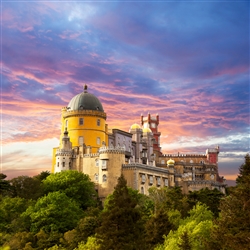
(85, 121)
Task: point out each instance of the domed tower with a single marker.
(84, 119)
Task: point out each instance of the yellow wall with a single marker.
(89, 130)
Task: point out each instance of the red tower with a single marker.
(152, 122)
(212, 155)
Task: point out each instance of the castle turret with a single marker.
(64, 154)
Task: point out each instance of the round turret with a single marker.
(84, 120)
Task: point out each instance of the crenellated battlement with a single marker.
(184, 155)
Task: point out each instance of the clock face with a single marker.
(212, 176)
(153, 125)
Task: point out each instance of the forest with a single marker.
(62, 211)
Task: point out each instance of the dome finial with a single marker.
(85, 88)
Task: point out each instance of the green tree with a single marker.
(169, 199)
(46, 240)
(75, 185)
(20, 240)
(10, 211)
(42, 176)
(198, 226)
(85, 228)
(209, 197)
(26, 187)
(232, 229)
(55, 212)
(185, 242)
(91, 244)
(5, 186)
(156, 227)
(121, 224)
(244, 171)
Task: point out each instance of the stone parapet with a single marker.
(68, 113)
(111, 150)
(144, 167)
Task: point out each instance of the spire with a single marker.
(85, 88)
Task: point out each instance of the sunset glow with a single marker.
(186, 61)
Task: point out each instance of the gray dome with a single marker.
(85, 101)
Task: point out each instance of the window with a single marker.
(151, 180)
(98, 122)
(80, 121)
(80, 140)
(57, 164)
(166, 182)
(143, 178)
(97, 163)
(63, 164)
(162, 162)
(158, 181)
(98, 140)
(96, 177)
(104, 164)
(104, 178)
(66, 123)
(142, 190)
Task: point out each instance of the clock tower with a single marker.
(152, 122)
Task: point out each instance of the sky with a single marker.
(187, 61)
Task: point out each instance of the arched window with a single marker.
(98, 122)
(104, 178)
(142, 190)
